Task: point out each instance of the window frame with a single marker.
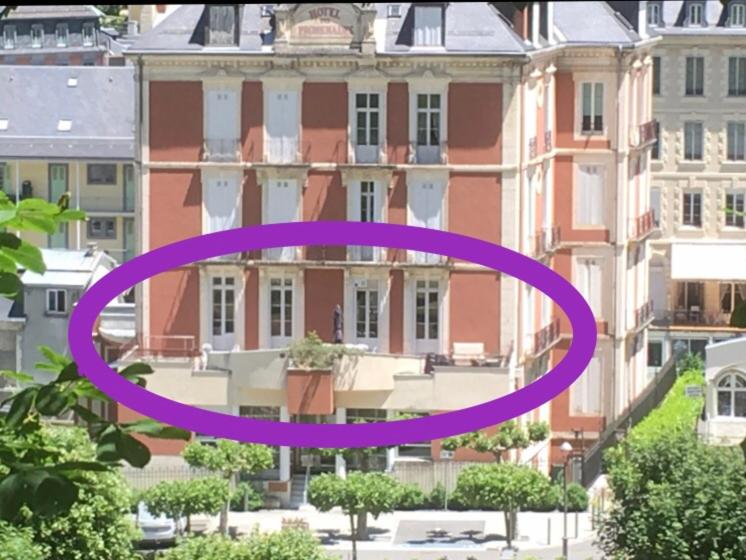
(692, 154)
(736, 202)
(37, 32)
(732, 152)
(694, 81)
(106, 233)
(9, 42)
(53, 308)
(734, 294)
(653, 16)
(741, 8)
(691, 218)
(419, 9)
(88, 34)
(595, 126)
(736, 75)
(105, 181)
(220, 287)
(283, 285)
(656, 70)
(699, 9)
(62, 35)
(730, 390)
(429, 111)
(223, 35)
(429, 287)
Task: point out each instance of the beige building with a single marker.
(698, 268)
(71, 130)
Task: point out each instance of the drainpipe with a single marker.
(137, 185)
(617, 231)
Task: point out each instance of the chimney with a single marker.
(91, 248)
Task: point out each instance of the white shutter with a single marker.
(589, 202)
(597, 195)
(585, 393)
(353, 209)
(582, 196)
(595, 283)
(282, 206)
(222, 202)
(221, 114)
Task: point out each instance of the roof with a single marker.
(99, 102)
(674, 15)
(69, 268)
(572, 20)
(77, 11)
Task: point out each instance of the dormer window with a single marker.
(394, 10)
(9, 37)
(62, 33)
(222, 25)
(737, 15)
(428, 26)
(37, 35)
(695, 14)
(654, 14)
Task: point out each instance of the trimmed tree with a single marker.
(510, 435)
(358, 494)
(183, 498)
(228, 459)
(502, 486)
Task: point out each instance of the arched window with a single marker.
(732, 395)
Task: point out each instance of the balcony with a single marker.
(281, 150)
(693, 318)
(644, 225)
(546, 337)
(546, 240)
(644, 135)
(428, 154)
(532, 147)
(176, 347)
(548, 141)
(643, 315)
(221, 149)
(367, 154)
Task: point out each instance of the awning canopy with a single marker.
(708, 261)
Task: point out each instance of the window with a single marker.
(695, 75)
(222, 195)
(655, 150)
(426, 310)
(734, 209)
(101, 228)
(737, 76)
(654, 14)
(589, 196)
(695, 14)
(690, 295)
(88, 34)
(223, 306)
(282, 126)
(655, 205)
(56, 301)
(428, 119)
(737, 15)
(9, 37)
(655, 354)
(4, 177)
(101, 173)
(3, 124)
(588, 278)
(428, 26)
(366, 309)
(656, 75)
(585, 393)
(693, 132)
(692, 209)
(593, 107)
(37, 35)
(62, 34)
(221, 29)
(732, 395)
(425, 201)
(281, 308)
(282, 202)
(367, 127)
(365, 205)
(731, 295)
(64, 125)
(221, 134)
(394, 10)
(736, 141)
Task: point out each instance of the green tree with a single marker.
(18, 543)
(510, 435)
(504, 486)
(228, 459)
(177, 499)
(357, 494)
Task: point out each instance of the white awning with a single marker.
(708, 261)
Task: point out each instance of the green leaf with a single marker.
(10, 284)
(53, 357)
(80, 466)
(87, 415)
(136, 369)
(20, 407)
(40, 223)
(69, 373)
(133, 451)
(11, 496)
(17, 376)
(153, 428)
(52, 400)
(9, 240)
(71, 216)
(7, 213)
(53, 495)
(37, 205)
(106, 450)
(7, 263)
(28, 256)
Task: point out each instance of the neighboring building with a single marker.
(72, 130)
(47, 300)
(62, 35)
(698, 268)
(725, 404)
(147, 16)
(521, 125)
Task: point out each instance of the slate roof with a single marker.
(55, 12)
(674, 15)
(70, 268)
(592, 23)
(100, 106)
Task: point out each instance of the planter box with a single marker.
(310, 391)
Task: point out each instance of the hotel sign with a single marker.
(318, 23)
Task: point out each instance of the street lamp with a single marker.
(566, 449)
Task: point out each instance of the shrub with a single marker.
(411, 497)
(183, 498)
(288, 544)
(311, 352)
(16, 544)
(548, 501)
(577, 497)
(437, 498)
(246, 498)
(738, 317)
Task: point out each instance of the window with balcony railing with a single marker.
(367, 127)
(281, 142)
(429, 121)
(692, 209)
(222, 131)
(592, 107)
(695, 76)
(735, 209)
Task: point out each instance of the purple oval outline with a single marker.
(398, 432)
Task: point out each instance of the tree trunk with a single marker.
(353, 536)
(189, 524)
(508, 529)
(223, 528)
(362, 525)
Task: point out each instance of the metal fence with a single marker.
(428, 475)
(142, 479)
(593, 465)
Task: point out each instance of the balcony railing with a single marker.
(546, 337)
(548, 141)
(691, 317)
(643, 314)
(546, 240)
(644, 224)
(281, 150)
(367, 154)
(164, 346)
(644, 134)
(429, 154)
(221, 149)
(532, 147)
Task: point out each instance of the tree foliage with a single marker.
(16, 543)
(177, 499)
(508, 436)
(504, 486)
